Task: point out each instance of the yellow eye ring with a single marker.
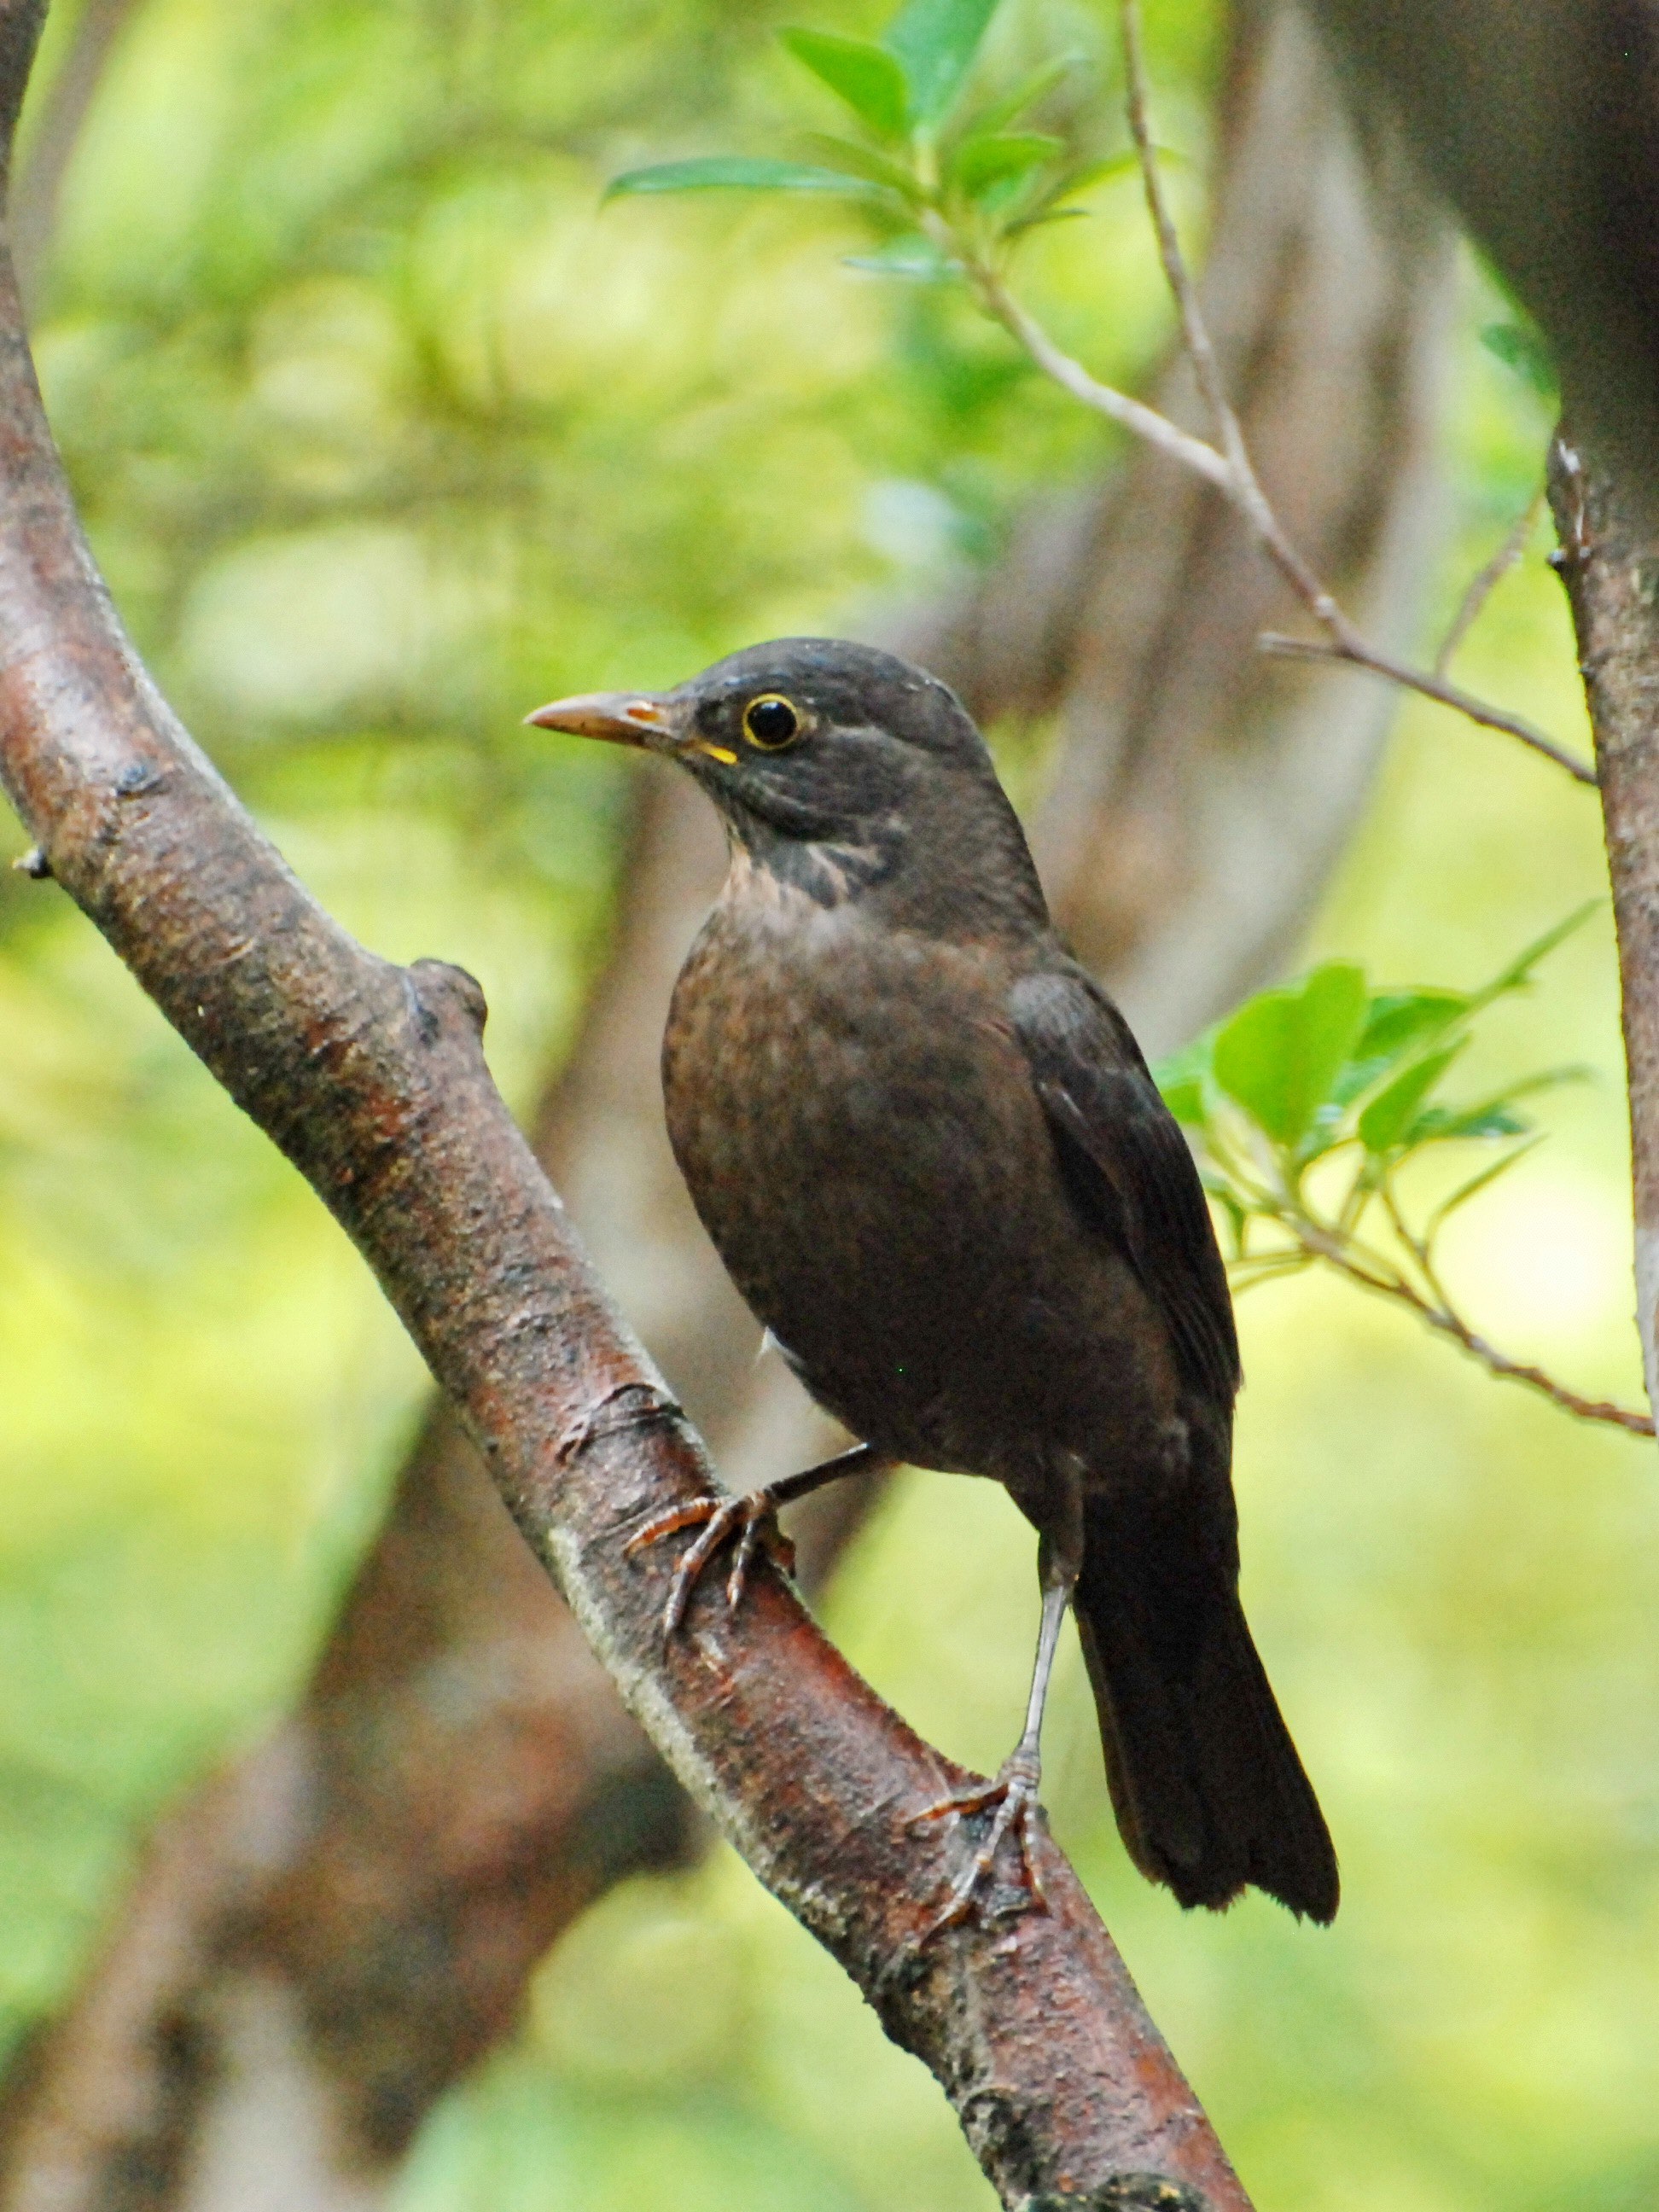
(771, 722)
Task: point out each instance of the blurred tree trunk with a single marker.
(57, 121)
(336, 1926)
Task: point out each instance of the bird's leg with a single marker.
(751, 1519)
(1014, 1791)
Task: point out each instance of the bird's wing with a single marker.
(1127, 1166)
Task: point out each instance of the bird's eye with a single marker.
(771, 723)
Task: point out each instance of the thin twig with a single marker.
(1225, 464)
(1430, 687)
(1441, 1316)
(1482, 586)
(1246, 486)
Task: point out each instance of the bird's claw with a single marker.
(751, 1519)
(1014, 1794)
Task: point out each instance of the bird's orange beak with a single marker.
(622, 717)
(628, 718)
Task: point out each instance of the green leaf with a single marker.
(934, 42)
(1049, 215)
(1279, 1054)
(993, 158)
(1520, 347)
(1492, 1116)
(1397, 1021)
(734, 172)
(999, 113)
(1437, 1124)
(912, 256)
(1391, 1114)
(864, 162)
(1518, 974)
(1397, 1024)
(1476, 1183)
(865, 76)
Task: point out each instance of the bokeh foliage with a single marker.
(384, 432)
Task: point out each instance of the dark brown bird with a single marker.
(929, 1150)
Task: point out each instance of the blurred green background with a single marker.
(383, 433)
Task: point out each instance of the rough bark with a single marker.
(1609, 562)
(336, 1927)
(371, 1079)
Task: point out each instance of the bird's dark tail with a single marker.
(1208, 1789)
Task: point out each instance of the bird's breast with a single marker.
(856, 1123)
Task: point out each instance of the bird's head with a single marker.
(837, 769)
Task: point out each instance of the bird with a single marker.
(930, 1153)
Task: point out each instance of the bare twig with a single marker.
(1486, 580)
(1226, 465)
(1244, 485)
(1430, 687)
(1445, 1319)
(1373, 1271)
(372, 1080)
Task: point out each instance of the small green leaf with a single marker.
(998, 156)
(1493, 1116)
(865, 76)
(1520, 347)
(1114, 166)
(1391, 1114)
(733, 173)
(1001, 112)
(1049, 215)
(935, 42)
(1437, 1124)
(912, 256)
(864, 162)
(1464, 1192)
(1518, 974)
(1279, 1054)
(1397, 1024)
(1397, 1021)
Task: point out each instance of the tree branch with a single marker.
(371, 1079)
(1609, 562)
(1486, 580)
(1373, 1271)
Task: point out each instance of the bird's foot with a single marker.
(752, 1520)
(1014, 1794)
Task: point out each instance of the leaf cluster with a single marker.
(935, 173)
(1333, 1072)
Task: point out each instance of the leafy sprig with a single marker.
(935, 175)
(1310, 1105)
